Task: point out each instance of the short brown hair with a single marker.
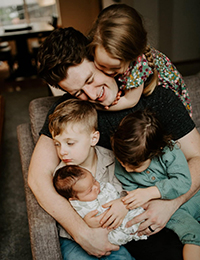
(73, 111)
(63, 48)
(139, 137)
(66, 177)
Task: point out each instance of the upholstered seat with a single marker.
(42, 227)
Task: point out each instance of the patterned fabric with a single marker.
(168, 76)
(136, 74)
(120, 235)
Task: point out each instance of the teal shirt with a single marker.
(169, 173)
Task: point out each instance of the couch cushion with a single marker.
(38, 110)
(193, 85)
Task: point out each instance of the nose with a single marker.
(63, 151)
(91, 91)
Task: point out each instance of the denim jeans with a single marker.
(72, 251)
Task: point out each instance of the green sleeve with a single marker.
(178, 179)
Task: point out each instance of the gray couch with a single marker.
(42, 227)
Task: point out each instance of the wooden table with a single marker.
(20, 34)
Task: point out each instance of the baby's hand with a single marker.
(136, 198)
(92, 220)
(114, 216)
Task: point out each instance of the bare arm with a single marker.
(43, 162)
(137, 198)
(158, 212)
(130, 99)
(190, 145)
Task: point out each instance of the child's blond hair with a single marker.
(73, 111)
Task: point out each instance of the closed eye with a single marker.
(70, 143)
(78, 93)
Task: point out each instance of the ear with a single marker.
(95, 138)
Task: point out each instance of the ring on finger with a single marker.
(150, 228)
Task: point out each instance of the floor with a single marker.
(14, 232)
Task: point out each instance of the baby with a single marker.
(86, 194)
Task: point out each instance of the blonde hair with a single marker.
(120, 31)
(73, 111)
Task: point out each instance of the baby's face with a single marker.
(87, 188)
(108, 64)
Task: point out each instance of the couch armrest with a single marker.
(43, 230)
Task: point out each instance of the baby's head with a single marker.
(139, 138)
(117, 37)
(76, 183)
(73, 126)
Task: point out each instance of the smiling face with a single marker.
(86, 188)
(108, 64)
(75, 145)
(86, 82)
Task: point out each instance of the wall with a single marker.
(79, 14)
(173, 26)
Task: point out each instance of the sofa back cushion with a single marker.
(38, 110)
(193, 85)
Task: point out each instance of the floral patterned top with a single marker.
(168, 76)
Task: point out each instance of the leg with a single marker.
(185, 226)
(121, 254)
(72, 251)
(191, 251)
(164, 245)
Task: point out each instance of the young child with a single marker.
(73, 126)
(153, 166)
(85, 194)
(118, 42)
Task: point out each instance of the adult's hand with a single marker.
(156, 215)
(95, 242)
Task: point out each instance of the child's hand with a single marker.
(92, 220)
(136, 198)
(116, 100)
(114, 215)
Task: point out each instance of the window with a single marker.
(21, 11)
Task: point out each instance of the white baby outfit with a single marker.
(121, 235)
